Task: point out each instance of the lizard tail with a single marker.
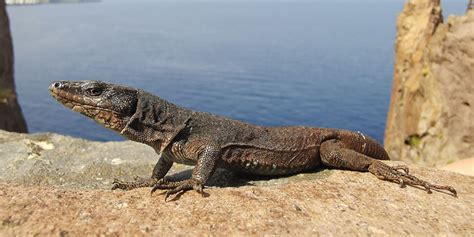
(363, 144)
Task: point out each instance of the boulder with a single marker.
(57, 185)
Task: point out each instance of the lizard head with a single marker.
(108, 104)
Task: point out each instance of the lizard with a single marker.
(210, 141)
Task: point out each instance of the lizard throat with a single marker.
(108, 118)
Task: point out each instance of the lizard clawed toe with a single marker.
(159, 185)
(137, 183)
(402, 183)
(178, 187)
(402, 167)
(118, 184)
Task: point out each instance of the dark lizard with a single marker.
(209, 141)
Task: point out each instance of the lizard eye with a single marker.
(96, 91)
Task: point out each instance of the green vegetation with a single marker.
(6, 94)
(425, 72)
(440, 135)
(414, 141)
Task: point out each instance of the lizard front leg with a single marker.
(334, 154)
(207, 155)
(161, 168)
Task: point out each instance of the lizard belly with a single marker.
(263, 162)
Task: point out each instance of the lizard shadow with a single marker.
(220, 178)
(226, 178)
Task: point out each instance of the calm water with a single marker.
(321, 63)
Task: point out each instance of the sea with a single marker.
(326, 63)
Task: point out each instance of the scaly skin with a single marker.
(209, 141)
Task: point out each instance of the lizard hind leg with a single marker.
(334, 154)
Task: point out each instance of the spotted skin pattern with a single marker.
(208, 141)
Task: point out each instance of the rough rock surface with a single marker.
(464, 166)
(430, 121)
(56, 185)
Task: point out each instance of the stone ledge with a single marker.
(52, 184)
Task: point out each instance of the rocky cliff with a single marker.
(431, 116)
(11, 117)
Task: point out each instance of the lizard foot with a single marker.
(385, 172)
(137, 183)
(177, 187)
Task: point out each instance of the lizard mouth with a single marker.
(106, 117)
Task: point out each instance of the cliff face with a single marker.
(431, 116)
(11, 118)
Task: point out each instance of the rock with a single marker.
(430, 118)
(11, 117)
(57, 185)
(464, 166)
